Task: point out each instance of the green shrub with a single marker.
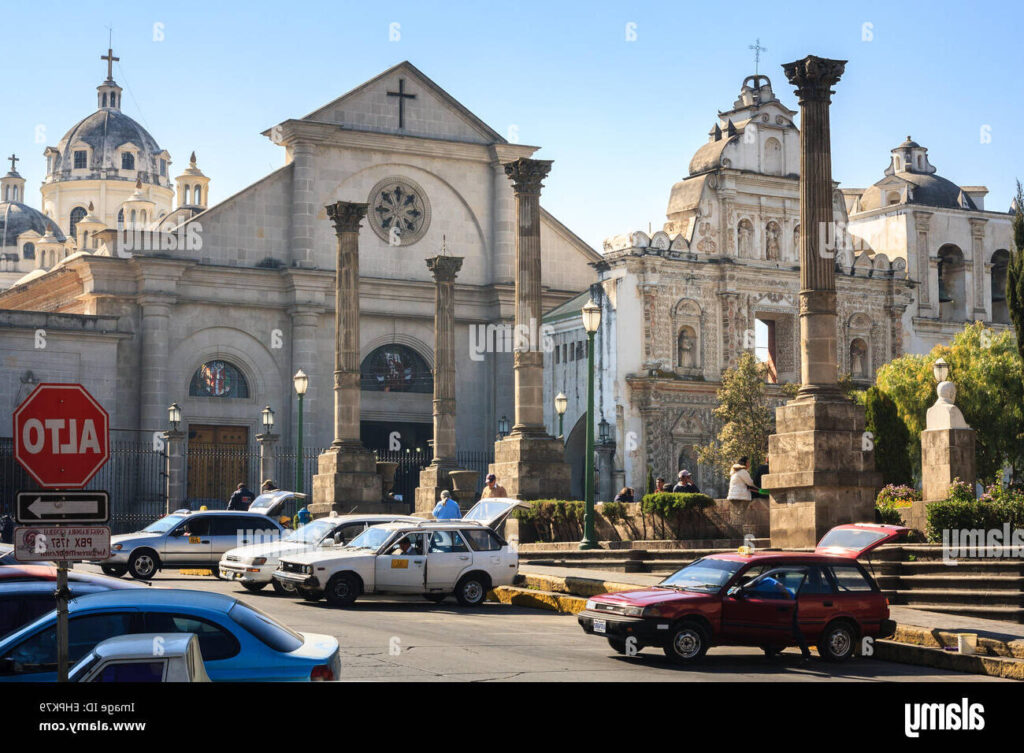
(962, 511)
(671, 506)
(553, 519)
(615, 512)
(891, 500)
(891, 437)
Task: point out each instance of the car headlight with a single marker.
(307, 569)
(259, 561)
(591, 604)
(633, 611)
(116, 547)
(651, 612)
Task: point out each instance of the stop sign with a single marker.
(61, 435)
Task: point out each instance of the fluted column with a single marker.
(303, 208)
(346, 216)
(444, 269)
(156, 312)
(526, 175)
(813, 78)
(978, 258)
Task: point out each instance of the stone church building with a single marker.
(150, 301)
(722, 277)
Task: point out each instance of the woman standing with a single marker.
(740, 483)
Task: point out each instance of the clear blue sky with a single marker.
(620, 118)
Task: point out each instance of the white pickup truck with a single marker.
(464, 557)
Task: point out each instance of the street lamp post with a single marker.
(561, 403)
(301, 382)
(591, 322)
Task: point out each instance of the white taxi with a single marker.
(463, 557)
(252, 566)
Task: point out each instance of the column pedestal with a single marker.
(532, 467)
(175, 470)
(946, 454)
(434, 479)
(347, 481)
(821, 475)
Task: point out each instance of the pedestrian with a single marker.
(268, 486)
(626, 495)
(7, 529)
(492, 489)
(659, 485)
(241, 499)
(740, 483)
(447, 508)
(685, 484)
(302, 516)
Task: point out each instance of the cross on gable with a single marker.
(402, 96)
(758, 49)
(13, 160)
(109, 57)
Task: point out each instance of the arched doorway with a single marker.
(575, 455)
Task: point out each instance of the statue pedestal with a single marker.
(820, 474)
(946, 454)
(532, 467)
(347, 479)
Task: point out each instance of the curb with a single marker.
(939, 639)
(532, 598)
(908, 653)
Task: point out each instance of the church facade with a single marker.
(214, 308)
(721, 278)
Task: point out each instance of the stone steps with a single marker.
(963, 596)
(997, 612)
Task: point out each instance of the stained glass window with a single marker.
(396, 368)
(218, 379)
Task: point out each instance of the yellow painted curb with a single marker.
(932, 638)
(195, 571)
(526, 597)
(924, 656)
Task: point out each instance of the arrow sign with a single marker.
(63, 507)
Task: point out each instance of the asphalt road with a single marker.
(409, 639)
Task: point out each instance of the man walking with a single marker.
(447, 508)
(492, 489)
(241, 499)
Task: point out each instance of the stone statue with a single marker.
(687, 345)
(857, 353)
(772, 242)
(746, 239)
(944, 414)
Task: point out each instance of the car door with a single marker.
(230, 531)
(188, 542)
(448, 556)
(400, 572)
(761, 612)
(816, 603)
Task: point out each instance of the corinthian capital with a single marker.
(444, 267)
(346, 216)
(814, 77)
(527, 174)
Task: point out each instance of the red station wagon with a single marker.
(747, 599)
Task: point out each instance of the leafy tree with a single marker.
(1015, 274)
(891, 437)
(986, 369)
(747, 420)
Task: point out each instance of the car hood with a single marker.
(126, 538)
(647, 596)
(274, 549)
(320, 556)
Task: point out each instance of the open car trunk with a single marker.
(854, 540)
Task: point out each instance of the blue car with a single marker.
(238, 643)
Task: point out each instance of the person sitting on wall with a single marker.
(685, 484)
(626, 495)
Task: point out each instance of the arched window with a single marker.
(104, 99)
(133, 218)
(28, 251)
(198, 195)
(396, 368)
(120, 218)
(1000, 311)
(188, 193)
(892, 198)
(76, 216)
(773, 157)
(142, 217)
(127, 161)
(218, 379)
(952, 289)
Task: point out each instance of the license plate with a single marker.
(600, 626)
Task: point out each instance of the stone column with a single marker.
(174, 470)
(435, 477)
(605, 466)
(303, 209)
(922, 221)
(978, 257)
(821, 465)
(268, 458)
(347, 475)
(529, 462)
(156, 312)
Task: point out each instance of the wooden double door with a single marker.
(218, 459)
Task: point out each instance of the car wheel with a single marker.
(114, 571)
(687, 643)
(143, 564)
(283, 589)
(838, 641)
(471, 590)
(253, 587)
(435, 598)
(308, 595)
(342, 590)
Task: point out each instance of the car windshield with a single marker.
(312, 532)
(703, 575)
(264, 501)
(166, 523)
(266, 628)
(371, 538)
